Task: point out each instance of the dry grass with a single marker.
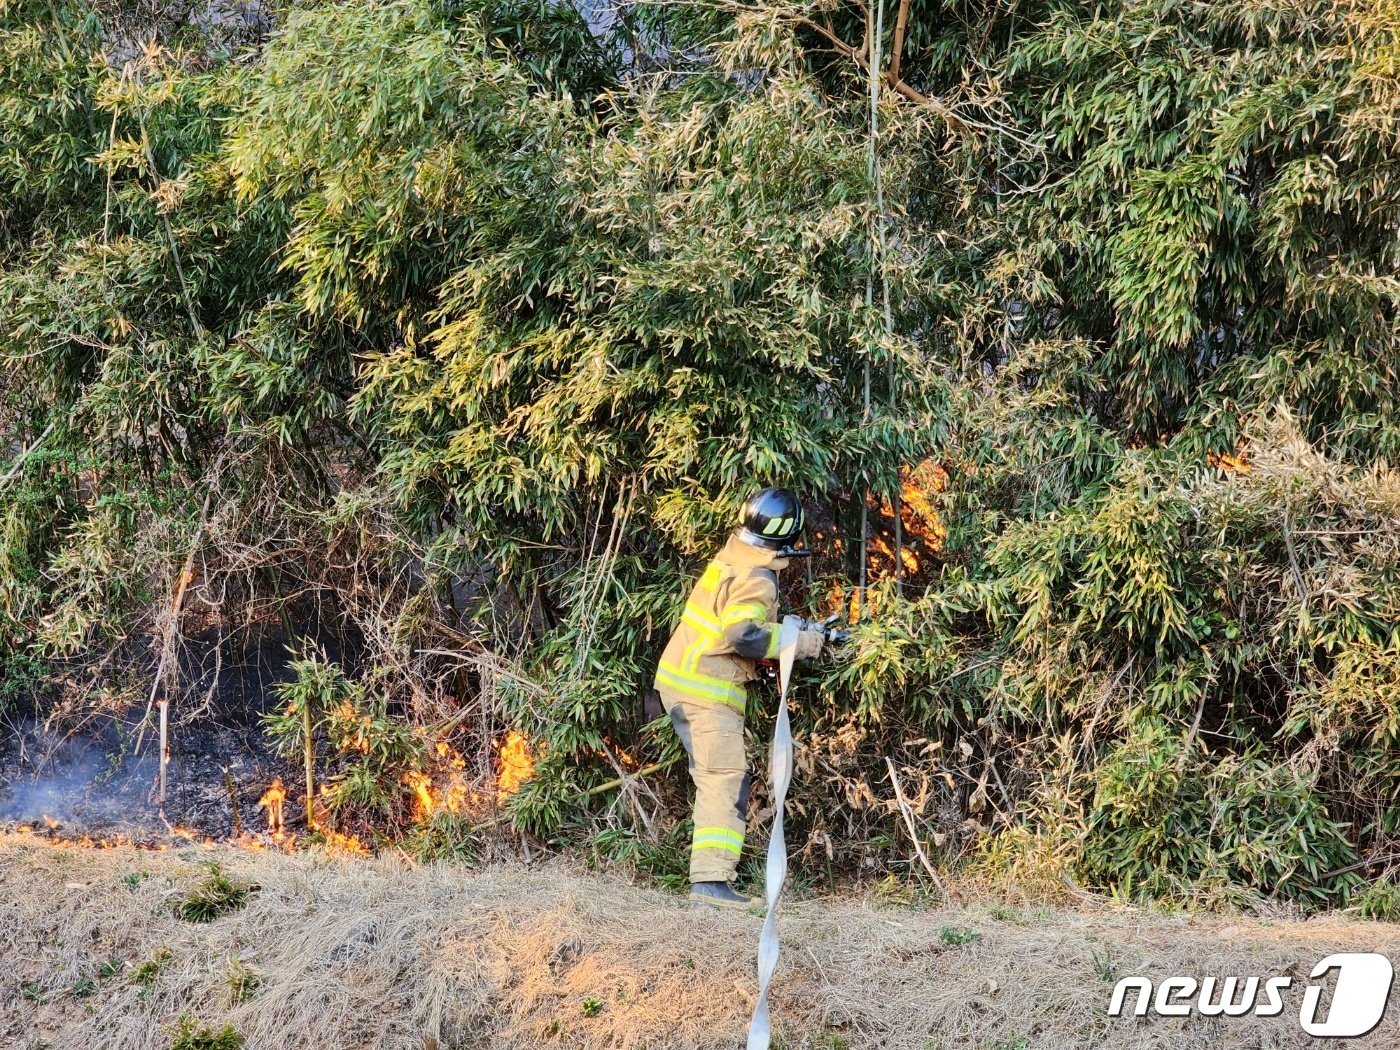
(376, 954)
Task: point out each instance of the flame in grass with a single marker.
(190, 835)
(517, 764)
(443, 786)
(334, 840)
(422, 788)
(271, 802)
(1236, 462)
(446, 788)
(49, 831)
(248, 841)
(50, 834)
(30, 831)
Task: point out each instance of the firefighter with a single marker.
(728, 625)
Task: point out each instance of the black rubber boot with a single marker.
(719, 895)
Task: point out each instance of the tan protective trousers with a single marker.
(713, 736)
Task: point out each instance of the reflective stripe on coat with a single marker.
(728, 624)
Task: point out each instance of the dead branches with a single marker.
(908, 815)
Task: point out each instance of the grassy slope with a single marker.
(373, 953)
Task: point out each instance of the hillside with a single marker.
(355, 953)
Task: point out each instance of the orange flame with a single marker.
(336, 841)
(197, 837)
(450, 756)
(443, 786)
(920, 518)
(271, 802)
(422, 787)
(87, 841)
(1236, 462)
(923, 530)
(517, 764)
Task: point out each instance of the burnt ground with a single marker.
(91, 779)
(95, 784)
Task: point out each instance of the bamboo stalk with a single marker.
(309, 751)
(874, 15)
(18, 462)
(68, 56)
(901, 24)
(879, 249)
(864, 545)
(898, 545)
(655, 767)
(169, 230)
(177, 602)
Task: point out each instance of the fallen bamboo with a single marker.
(17, 463)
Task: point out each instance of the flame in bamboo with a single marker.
(517, 764)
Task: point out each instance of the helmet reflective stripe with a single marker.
(778, 527)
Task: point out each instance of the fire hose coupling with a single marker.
(812, 636)
(831, 634)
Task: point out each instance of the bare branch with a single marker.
(913, 831)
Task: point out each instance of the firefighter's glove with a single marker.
(809, 643)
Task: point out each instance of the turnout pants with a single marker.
(713, 736)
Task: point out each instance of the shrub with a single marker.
(188, 1034)
(217, 895)
(145, 975)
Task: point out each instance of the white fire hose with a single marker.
(775, 870)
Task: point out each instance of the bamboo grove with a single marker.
(419, 353)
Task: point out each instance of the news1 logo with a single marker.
(1358, 1000)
